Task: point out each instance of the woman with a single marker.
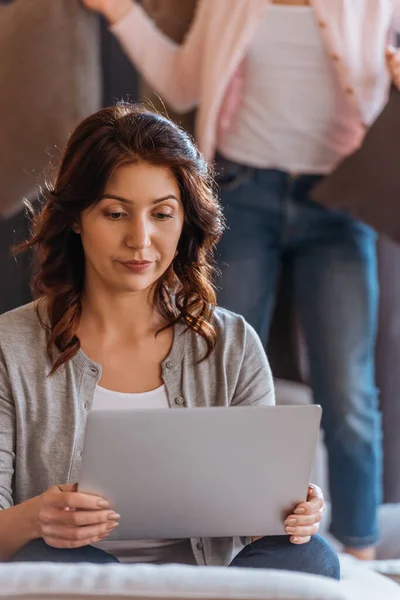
(126, 315)
(285, 89)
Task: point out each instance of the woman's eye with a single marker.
(163, 216)
(114, 216)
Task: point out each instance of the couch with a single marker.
(45, 581)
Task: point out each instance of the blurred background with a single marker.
(58, 64)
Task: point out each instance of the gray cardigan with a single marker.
(42, 419)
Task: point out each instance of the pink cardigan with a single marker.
(205, 71)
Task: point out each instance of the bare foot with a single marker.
(362, 553)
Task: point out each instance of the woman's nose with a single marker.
(138, 236)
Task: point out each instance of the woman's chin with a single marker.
(135, 289)
(135, 285)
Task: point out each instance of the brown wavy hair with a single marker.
(111, 138)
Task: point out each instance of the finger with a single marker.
(77, 534)
(299, 540)
(395, 70)
(315, 502)
(70, 499)
(83, 518)
(390, 52)
(296, 520)
(59, 543)
(394, 61)
(302, 531)
(78, 518)
(314, 492)
(308, 508)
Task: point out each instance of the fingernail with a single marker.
(114, 516)
(291, 521)
(299, 511)
(290, 529)
(103, 504)
(294, 540)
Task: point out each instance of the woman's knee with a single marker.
(276, 552)
(39, 551)
(321, 557)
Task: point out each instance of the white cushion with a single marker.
(26, 581)
(359, 578)
(389, 568)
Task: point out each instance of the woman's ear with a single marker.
(76, 228)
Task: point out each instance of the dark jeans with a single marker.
(335, 290)
(275, 552)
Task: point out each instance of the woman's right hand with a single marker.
(112, 10)
(66, 518)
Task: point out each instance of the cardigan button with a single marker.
(180, 400)
(168, 365)
(349, 91)
(199, 546)
(323, 24)
(336, 57)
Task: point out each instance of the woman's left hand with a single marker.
(306, 517)
(393, 64)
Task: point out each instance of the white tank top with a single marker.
(144, 551)
(104, 399)
(294, 115)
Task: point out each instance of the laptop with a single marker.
(201, 472)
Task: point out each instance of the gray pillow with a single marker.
(367, 183)
(49, 80)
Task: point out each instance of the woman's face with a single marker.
(130, 237)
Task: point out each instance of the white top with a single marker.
(106, 399)
(294, 114)
(148, 551)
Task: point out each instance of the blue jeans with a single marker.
(275, 552)
(333, 264)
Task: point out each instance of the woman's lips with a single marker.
(137, 266)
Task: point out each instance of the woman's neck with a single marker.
(119, 316)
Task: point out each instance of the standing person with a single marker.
(126, 317)
(285, 89)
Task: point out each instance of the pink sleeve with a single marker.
(232, 97)
(396, 16)
(172, 70)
